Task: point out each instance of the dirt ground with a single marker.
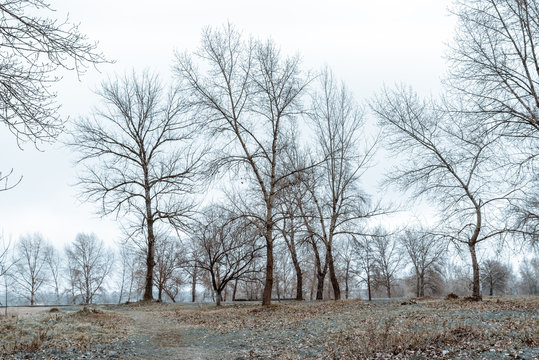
(497, 328)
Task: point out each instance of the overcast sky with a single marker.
(366, 43)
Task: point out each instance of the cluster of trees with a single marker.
(289, 148)
(222, 263)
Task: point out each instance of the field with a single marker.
(497, 328)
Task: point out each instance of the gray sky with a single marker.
(366, 43)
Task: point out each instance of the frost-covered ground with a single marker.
(497, 328)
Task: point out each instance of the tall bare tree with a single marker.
(338, 200)
(89, 264)
(448, 164)
(32, 49)
(249, 97)
(54, 265)
(494, 71)
(30, 266)
(140, 156)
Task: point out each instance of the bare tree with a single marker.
(387, 260)
(494, 276)
(494, 64)
(32, 49)
(140, 157)
(89, 264)
(4, 252)
(345, 256)
(290, 226)
(31, 261)
(312, 236)
(191, 269)
(5, 266)
(249, 97)
(54, 264)
(365, 261)
(447, 163)
(169, 259)
(227, 248)
(424, 252)
(529, 276)
(128, 266)
(338, 201)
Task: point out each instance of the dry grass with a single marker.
(61, 331)
(359, 330)
(351, 329)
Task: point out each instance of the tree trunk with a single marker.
(417, 284)
(421, 285)
(320, 273)
(320, 277)
(148, 288)
(268, 286)
(346, 288)
(194, 285)
(235, 290)
(476, 291)
(160, 293)
(491, 291)
(369, 287)
(333, 277)
(299, 276)
(299, 284)
(150, 255)
(218, 298)
(121, 288)
(5, 283)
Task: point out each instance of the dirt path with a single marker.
(155, 335)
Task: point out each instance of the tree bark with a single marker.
(369, 287)
(268, 286)
(320, 276)
(194, 285)
(333, 276)
(417, 284)
(148, 288)
(218, 298)
(299, 284)
(346, 279)
(150, 255)
(235, 290)
(476, 291)
(297, 268)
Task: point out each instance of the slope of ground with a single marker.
(497, 328)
